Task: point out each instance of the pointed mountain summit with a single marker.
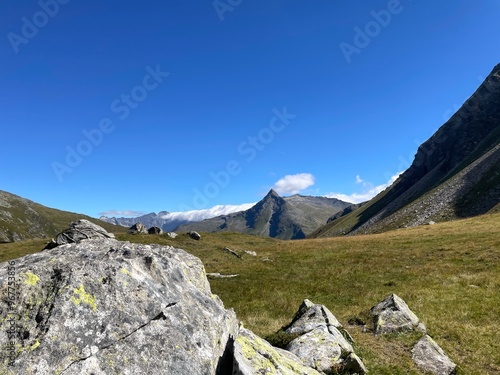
(455, 173)
(274, 216)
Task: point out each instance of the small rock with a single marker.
(137, 228)
(155, 230)
(354, 365)
(252, 253)
(232, 252)
(310, 316)
(194, 235)
(393, 315)
(421, 328)
(172, 235)
(217, 275)
(77, 231)
(429, 357)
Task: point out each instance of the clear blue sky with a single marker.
(190, 104)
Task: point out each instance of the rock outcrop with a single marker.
(253, 355)
(155, 230)
(102, 306)
(77, 231)
(323, 343)
(194, 235)
(429, 357)
(137, 228)
(393, 315)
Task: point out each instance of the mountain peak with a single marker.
(272, 193)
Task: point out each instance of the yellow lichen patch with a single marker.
(31, 279)
(35, 345)
(126, 272)
(80, 295)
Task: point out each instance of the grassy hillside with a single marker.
(449, 274)
(23, 219)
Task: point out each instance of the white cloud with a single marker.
(117, 213)
(293, 184)
(368, 192)
(199, 215)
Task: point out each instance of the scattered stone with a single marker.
(137, 228)
(232, 252)
(172, 235)
(311, 316)
(217, 275)
(251, 253)
(393, 315)
(108, 307)
(194, 235)
(322, 348)
(421, 328)
(267, 260)
(155, 230)
(254, 355)
(323, 343)
(429, 357)
(431, 222)
(77, 231)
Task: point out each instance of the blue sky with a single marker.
(174, 105)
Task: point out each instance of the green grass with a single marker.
(449, 274)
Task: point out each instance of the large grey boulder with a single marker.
(394, 315)
(137, 228)
(107, 307)
(253, 355)
(429, 357)
(77, 231)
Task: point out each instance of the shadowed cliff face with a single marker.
(471, 131)
(454, 173)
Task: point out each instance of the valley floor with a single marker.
(449, 274)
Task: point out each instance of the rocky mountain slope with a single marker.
(22, 219)
(291, 217)
(455, 173)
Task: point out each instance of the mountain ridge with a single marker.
(23, 219)
(292, 217)
(454, 173)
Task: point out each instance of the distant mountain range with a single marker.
(169, 221)
(22, 219)
(455, 174)
(291, 217)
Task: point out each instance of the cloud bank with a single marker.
(199, 215)
(124, 213)
(368, 192)
(293, 184)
